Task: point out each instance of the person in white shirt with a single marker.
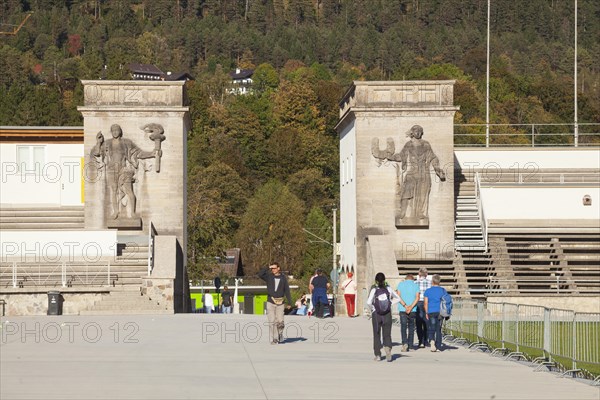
(380, 301)
(349, 288)
(424, 283)
(209, 304)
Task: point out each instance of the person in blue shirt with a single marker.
(433, 298)
(408, 290)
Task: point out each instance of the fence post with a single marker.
(574, 367)
(14, 274)
(479, 320)
(63, 274)
(547, 333)
(532, 135)
(517, 328)
(503, 326)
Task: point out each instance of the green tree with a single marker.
(271, 229)
(318, 252)
(265, 77)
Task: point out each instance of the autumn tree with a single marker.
(271, 229)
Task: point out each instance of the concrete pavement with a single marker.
(197, 356)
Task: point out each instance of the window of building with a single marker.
(31, 159)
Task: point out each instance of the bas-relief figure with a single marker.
(414, 179)
(120, 159)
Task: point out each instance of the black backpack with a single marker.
(382, 301)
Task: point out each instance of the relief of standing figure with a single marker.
(120, 158)
(416, 159)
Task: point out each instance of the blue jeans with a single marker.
(320, 300)
(407, 327)
(422, 324)
(435, 328)
(207, 310)
(226, 309)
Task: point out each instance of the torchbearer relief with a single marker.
(120, 159)
(413, 170)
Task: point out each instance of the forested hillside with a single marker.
(264, 166)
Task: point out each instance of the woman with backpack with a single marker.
(380, 301)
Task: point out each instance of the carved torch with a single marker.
(156, 132)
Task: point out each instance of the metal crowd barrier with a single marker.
(566, 340)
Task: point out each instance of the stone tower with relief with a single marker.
(135, 135)
(396, 177)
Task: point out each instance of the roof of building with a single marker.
(179, 76)
(20, 134)
(241, 74)
(232, 263)
(145, 69)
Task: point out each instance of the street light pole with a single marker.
(487, 82)
(334, 238)
(576, 125)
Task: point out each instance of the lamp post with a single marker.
(487, 82)
(575, 122)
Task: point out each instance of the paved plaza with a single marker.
(194, 356)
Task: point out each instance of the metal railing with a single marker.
(562, 339)
(532, 175)
(21, 274)
(482, 219)
(527, 135)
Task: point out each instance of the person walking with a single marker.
(226, 297)
(209, 303)
(319, 286)
(278, 290)
(380, 301)
(409, 294)
(424, 283)
(349, 288)
(433, 299)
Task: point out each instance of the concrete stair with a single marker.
(126, 302)
(468, 229)
(37, 218)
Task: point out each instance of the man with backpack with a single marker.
(434, 296)
(380, 301)
(318, 287)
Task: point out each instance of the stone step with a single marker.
(58, 219)
(468, 236)
(47, 226)
(122, 261)
(124, 312)
(39, 212)
(469, 229)
(473, 222)
(126, 305)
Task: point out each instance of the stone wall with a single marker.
(168, 283)
(19, 304)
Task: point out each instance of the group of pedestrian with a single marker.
(418, 301)
(419, 304)
(226, 301)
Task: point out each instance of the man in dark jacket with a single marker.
(278, 290)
